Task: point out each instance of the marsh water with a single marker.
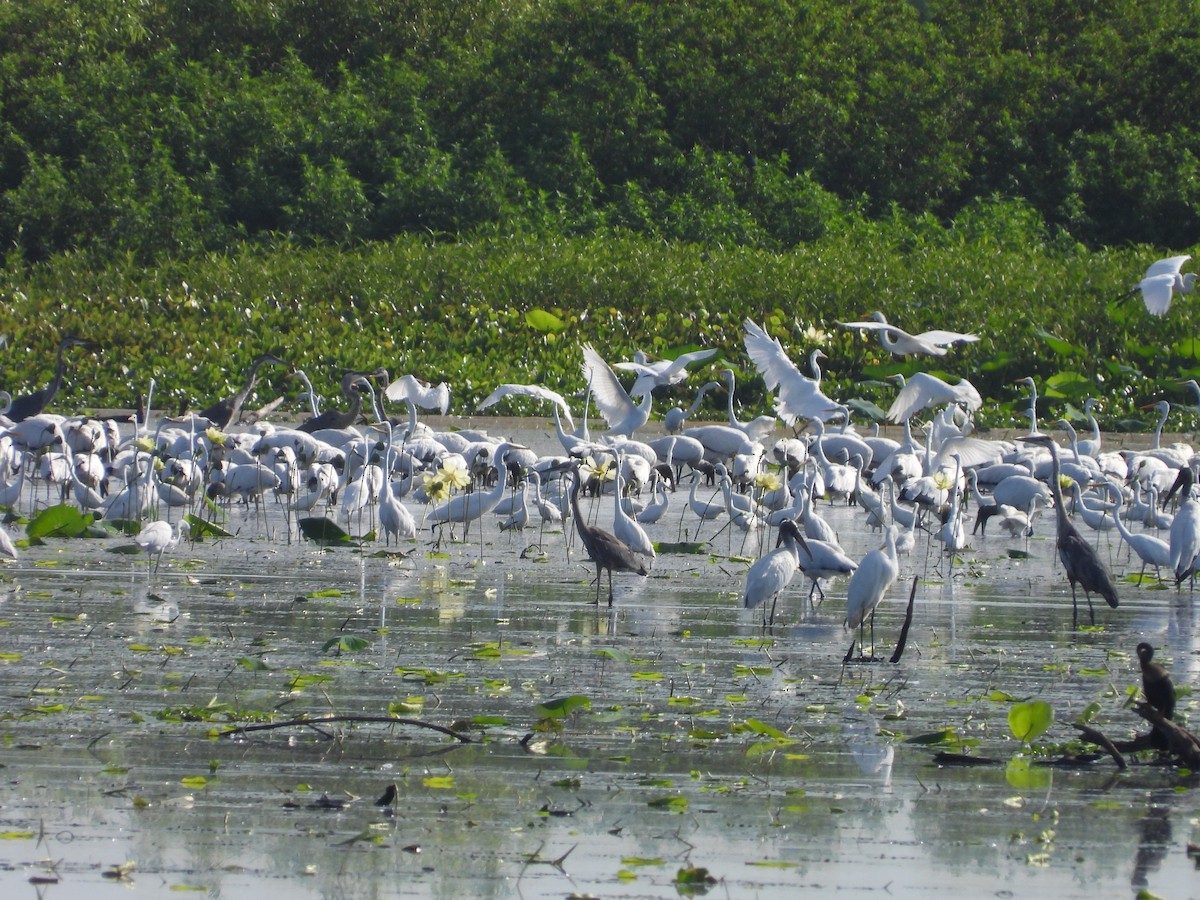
(708, 740)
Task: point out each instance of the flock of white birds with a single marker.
(398, 473)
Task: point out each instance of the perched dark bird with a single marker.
(354, 385)
(606, 550)
(1160, 692)
(1079, 558)
(228, 411)
(30, 405)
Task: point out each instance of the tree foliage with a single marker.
(165, 129)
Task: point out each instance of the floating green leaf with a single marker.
(346, 643)
(1030, 720)
(323, 531)
(201, 528)
(58, 521)
(561, 707)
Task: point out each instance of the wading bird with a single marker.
(156, 538)
(663, 373)
(605, 549)
(229, 411)
(770, 574)
(870, 581)
(1079, 558)
(799, 397)
(30, 405)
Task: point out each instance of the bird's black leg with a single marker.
(610, 588)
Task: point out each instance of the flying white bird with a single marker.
(901, 343)
(799, 396)
(662, 373)
(1162, 281)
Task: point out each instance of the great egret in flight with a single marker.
(1162, 281)
(622, 414)
(901, 343)
(663, 373)
(799, 397)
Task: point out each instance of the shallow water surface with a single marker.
(710, 741)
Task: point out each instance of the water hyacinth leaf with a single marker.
(1024, 776)
(1029, 721)
(1057, 344)
(561, 707)
(58, 521)
(544, 322)
(673, 804)
(254, 664)
(346, 643)
(692, 547)
(323, 531)
(201, 528)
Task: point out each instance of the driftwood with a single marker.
(1181, 743)
(1098, 738)
(313, 721)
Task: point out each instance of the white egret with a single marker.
(870, 582)
(1151, 550)
(901, 343)
(533, 391)
(663, 373)
(620, 412)
(156, 538)
(799, 397)
(1162, 281)
(923, 390)
(771, 573)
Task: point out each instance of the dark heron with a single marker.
(1079, 558)
(229, 411)
(354, 385)
(606, 550)
(31, 405)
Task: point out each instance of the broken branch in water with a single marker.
(310, 721)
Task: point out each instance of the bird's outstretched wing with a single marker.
(536, 391)
(923, 390)
(612, 401)
(799, 397)
(947, 338)
(426, 396)
(1169, 266)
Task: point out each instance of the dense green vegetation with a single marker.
(399, 183)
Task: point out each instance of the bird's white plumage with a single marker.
(534, 391)
(620, 412)
(663, 372)
(923, 390)
(1162, 281)
(799, 397)
(901, 343)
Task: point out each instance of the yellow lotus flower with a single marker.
(145, 443)
(942, 479)
(1066, 482)
(216, 436)
(768, 481)
(814, 335)
(456, 474)
(605, 471)
(436, 487)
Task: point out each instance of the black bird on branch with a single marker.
(1159, 690)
